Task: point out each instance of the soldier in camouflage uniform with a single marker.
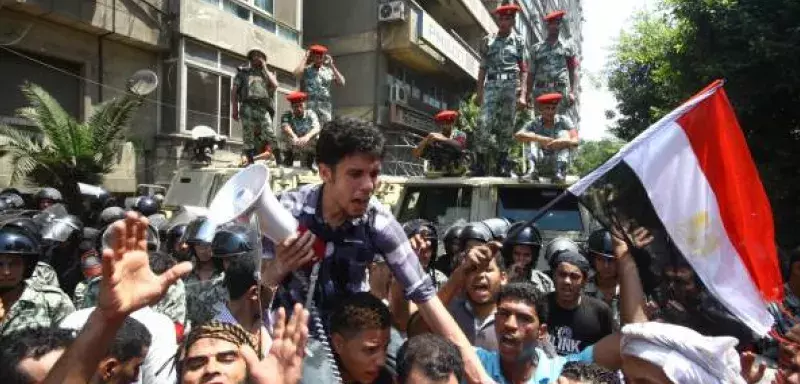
(254, 88)
(503, 70)
(445, 149)
(554, 64)
(300, 128)
(203, 284)
(551, 135)
(44, 274)
(317, 72)
(23, 302)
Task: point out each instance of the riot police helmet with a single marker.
(173, 238)
(146, 205)
(601, 243)
(13, 200)
(451, 238)
(558, 245)
(15, 240)
(199, 231)
(422, 227)
(110, 215)
(476, 231)
(499, 227)
(3, 205)
(521, 234)
(62, 229)
(234, 240)
(49, 195)
(27, 224)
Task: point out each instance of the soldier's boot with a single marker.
(561, 172)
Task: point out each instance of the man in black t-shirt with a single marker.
(575, 320)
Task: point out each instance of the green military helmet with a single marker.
(253, 51)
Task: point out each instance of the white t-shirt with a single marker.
(158, 366)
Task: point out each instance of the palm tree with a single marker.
(67, 152)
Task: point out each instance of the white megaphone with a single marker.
(248, 192)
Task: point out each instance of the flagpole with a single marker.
(543, 211)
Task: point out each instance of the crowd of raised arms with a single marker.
(355, 297)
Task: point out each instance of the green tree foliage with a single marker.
(752, 44)
(592, 154)
(468, 121)
(64, 151)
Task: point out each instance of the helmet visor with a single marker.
(59, 230)
(107, 239)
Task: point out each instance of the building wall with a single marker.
(82, 48)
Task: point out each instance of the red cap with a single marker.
(446, 116)
(321, 49)
(549, 98)
(555, 16)
(508, 9)
(296, 97)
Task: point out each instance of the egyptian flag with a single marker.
(690, 181)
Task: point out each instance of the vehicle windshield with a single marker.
(441, 205)
(521, 204)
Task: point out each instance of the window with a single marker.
(288, 34)
(521, 204)
(441, 205)
(265, 23)
(236, 9)
(265, 5)
(202, 100)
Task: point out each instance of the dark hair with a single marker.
(359, 312)
(160, 262)
(346, 136)
(526, 292)
(29, 343)
(130, 340)
(434, 356)
(589, 373)
(240, 275)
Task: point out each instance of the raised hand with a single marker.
(284, 363)
(752, 372)
(128, 283)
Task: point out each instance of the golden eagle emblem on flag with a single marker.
(698, 235)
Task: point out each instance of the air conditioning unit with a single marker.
(394, 10)
(400, 93)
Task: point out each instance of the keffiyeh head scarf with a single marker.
(231, 333)
(685, 356)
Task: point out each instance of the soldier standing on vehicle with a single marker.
(316, 72)
(254, 87)
(300, 128)
(552, 136)
(554, 66)
(502, 73)
(444, 149)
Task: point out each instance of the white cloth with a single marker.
(685, 356)
(163, 345)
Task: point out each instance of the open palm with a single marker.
(284, 362)
(128, 283)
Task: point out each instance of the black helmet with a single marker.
(160, 223)
(47, 194)
(146, 205)
(62, 229)
(15, 240)
(110, 215)
(499, 227)
(451, 235)
(527, 235)
(558, 245)
(424, 227)
(475, 231)
(600, 242)
(199, 230)
(234, 240)
(3, 205)
(13, 200)
(173, 238)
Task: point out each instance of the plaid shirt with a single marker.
(349, 250)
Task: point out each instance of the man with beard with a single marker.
(575, 320)
(254, 87)
(24, 303)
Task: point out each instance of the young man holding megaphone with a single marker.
(342, 227)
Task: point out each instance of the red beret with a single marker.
(549, 98)
(446, 116)
(508, 9)
(296, 97)
(554, 16)
(318, 49)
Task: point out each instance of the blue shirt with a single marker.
(547, 371)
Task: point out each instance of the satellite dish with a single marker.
(202, 131)
(143, 82)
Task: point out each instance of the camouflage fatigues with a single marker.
(445, 157)
(543, 283)
(550, 71)
(301, 125)
(201, 296)
(593, 290)
(44, 274)
(500, 58)
(173, 304)
(545, 161)
(317, 84)
(257, 98)
(88, 290)
(38, 306)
